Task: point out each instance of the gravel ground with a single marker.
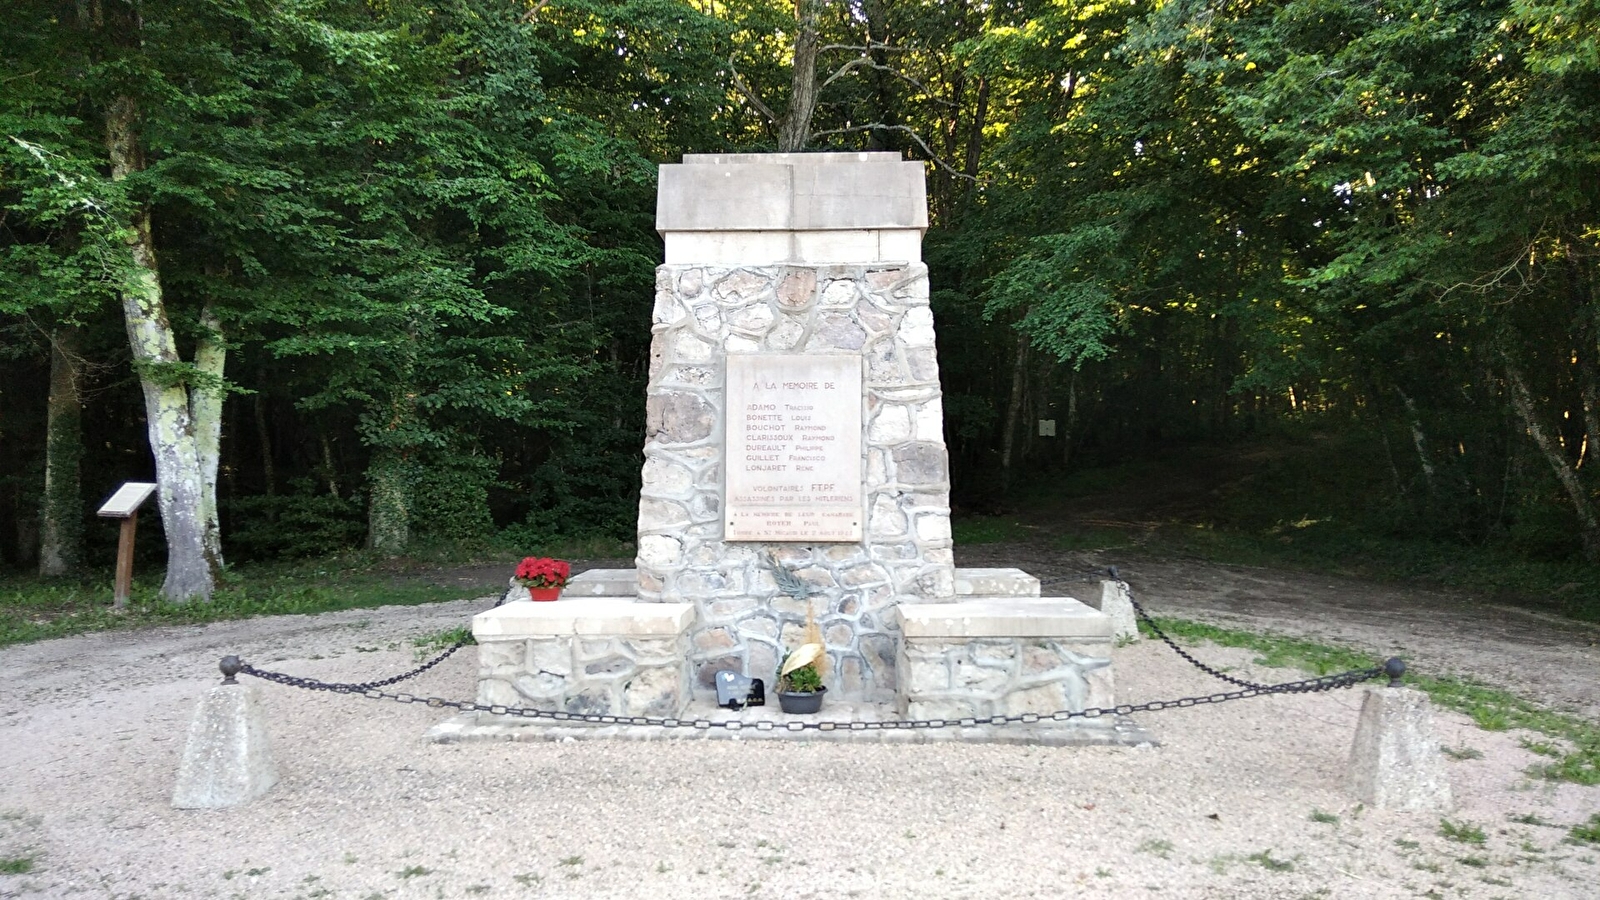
(1242, 800)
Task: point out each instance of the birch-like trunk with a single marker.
(61, 513)
(1419, 440)
(1588, 521)
(180, 476)
(206, 396)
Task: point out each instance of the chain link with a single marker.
(371, 691)
(1309, 685)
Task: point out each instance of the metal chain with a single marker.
(348, 688)
(1310, 685)
(370, 691)
(356, 688)
(1145, 618)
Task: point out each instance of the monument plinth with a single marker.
(795, 437)
(794, 415)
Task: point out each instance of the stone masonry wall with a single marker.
(742, 621)
(615, 675)
(959, 677)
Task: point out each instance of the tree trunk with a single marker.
(794, 132)
(61, 513)
(329, 472)
(1419, 440)
(1589, 523)
(1070, 427)
(179, 472)
(206, 398)
(388, 503)
(269, 471)
(1008, 440)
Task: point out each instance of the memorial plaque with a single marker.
(127, 499)
(793, 448)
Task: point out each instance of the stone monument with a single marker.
(793, 415)
(795, 436)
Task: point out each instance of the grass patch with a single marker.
(1491, 708)
(414, 871)
(988, 529)
(16, 865)
(33, 609)
(1324, 818)
(1156, 847)
(1462, 753)
(433, 644)
(1587, 833)
(1265, 860)
(1461, 832)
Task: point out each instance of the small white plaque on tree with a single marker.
(1047, 428)
(126, 501)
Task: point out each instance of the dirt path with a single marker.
(1555, 661)
(1241, 800)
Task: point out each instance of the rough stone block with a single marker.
(1395, 761)
(227, 759)
(1117, 603)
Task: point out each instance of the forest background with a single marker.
(378, 273)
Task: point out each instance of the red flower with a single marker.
(543, 572)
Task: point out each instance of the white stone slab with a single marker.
(581, 616)
(995, 583)
(814, 159)
(765, 248)
(603, 583)
(1051, 617)
(793, 448)
(792, 192)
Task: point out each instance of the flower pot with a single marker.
(544, 593)
(796, 702)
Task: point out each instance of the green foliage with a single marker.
(31, 609)
(305, 522)
(1587, 832)
(1461, 832)
(806, 679)
(987, 529)
(433, 644)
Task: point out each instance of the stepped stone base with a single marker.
(1008, 656)
(995, 648)
(600, 655)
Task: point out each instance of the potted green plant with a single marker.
(800, 687)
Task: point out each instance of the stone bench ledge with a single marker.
(995, 583)
(584, 616)
(603, 583)
(1042, 617)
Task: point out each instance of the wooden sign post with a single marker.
(124, 505)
